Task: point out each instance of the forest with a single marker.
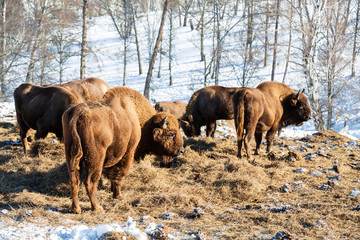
(41, 39)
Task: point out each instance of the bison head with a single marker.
(296, 109)
(188, 126)
(167, 137)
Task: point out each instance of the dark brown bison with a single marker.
(99, 138)
(160, 133)
(267, 108)
(205, 107)
(177, 108)
(41, 107)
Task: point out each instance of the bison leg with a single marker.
(74, 183)
(258, 138)
(210, 129)
(24, 140)
(94, 170)
(270, 137)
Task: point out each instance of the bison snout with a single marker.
(180, 151)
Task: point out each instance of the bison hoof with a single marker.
(98, 209)
(117, 196)
(76, 210)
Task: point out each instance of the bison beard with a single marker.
(266, 108)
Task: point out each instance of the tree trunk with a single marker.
(84, 40)
(171, 37)
(156, 49)
(125, 61)
(275, 40)
(249, 38)
(2, 47)
(355, 41)
(290, 40)
(266, 43)
(160, 59)
(137, 41)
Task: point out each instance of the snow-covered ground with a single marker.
(187, 77)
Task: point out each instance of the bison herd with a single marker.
(106, 129)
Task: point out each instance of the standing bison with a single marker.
(264, 109)
(177, 108)
(205, 107)
(41, 107)
(110, 134)
(98, 137)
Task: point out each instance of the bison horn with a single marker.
(163, 123)
(298, 95)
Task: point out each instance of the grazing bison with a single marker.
(99, 138)
(109, 133)
(267, 108)
(41, 107)
(205, 107)
(89, 89)
(160, 133)
(177, 108)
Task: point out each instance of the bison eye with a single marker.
(170, 136)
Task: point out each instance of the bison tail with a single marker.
(74, 145)
(239, 114)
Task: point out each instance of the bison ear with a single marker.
(157, 134)
(281, 98)
(164, 123)
(191, 118)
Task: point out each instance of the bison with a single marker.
(110, 134)
(89, 89)
(205, 107)
(162, 139)
(267, 108)
(99, 138)
(177, 108)
(41, 107)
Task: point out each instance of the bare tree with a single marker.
(275, 40)
(2, 46)
(291, 19)
(37, 31)
(266, 43)
(134, 12)
(355, 40)
(156, 49)
(310, 27)
(171, 38)
(84, 40)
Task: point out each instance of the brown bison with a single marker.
(99, 138)
(267, 108)
(177, 108)
(41, 107)
(104, 135)
(89, 89)
(158, 137)
(205, 107)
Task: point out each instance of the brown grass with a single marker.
(237, 199)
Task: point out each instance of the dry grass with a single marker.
(235, 199)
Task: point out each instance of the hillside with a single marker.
(307, 188)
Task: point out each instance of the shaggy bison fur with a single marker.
(267, 108)
(205, 107)
(99, 138)
(177, 108)
(160, 133)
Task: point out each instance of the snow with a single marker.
(187, 77)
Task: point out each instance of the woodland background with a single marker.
(314, 41)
